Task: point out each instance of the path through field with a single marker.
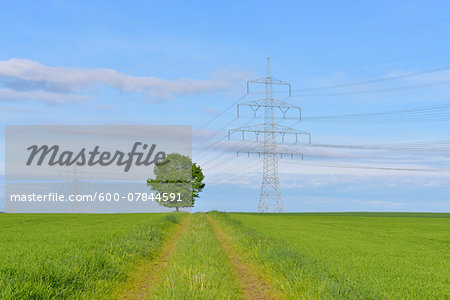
(149, 274)
(199, 261)
(251, 281)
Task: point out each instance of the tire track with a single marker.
(148, 275)
(253, 284)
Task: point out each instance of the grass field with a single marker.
(355, 255)
(74, 256)
(225, 256)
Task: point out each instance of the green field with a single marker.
(350, 255)
(300, 256)
(74, 256)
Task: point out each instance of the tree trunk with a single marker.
(176, 209)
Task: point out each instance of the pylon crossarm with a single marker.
(282, 106)
(268, 131)
(257, 132)
(280, 154)
(265, 80)
(268, 80)
(276, 128)
(274, 103)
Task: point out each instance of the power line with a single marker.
(438, 112)
(435, 112)
(204, 140)
(358, 83)
(375, 37)
(391, 61)
(378, 168)
(223, 190)
(435, 145)
(217, 144)
(405, 87)
(226, 109)
(220, 114)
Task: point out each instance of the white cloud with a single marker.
(203, 135)
(42, 96)
(16, 109)
(300, 174)
(210, 111)
(378, 203)
(27, 79)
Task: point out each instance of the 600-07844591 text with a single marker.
(101, 197)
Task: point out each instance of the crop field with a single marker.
(364, 256)
(225, 256)
(74, 256)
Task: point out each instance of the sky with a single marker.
(187, 62)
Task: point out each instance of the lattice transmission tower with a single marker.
(271, 198)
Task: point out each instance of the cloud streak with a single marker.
(41, 96)
(24, 79)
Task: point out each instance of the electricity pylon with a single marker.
(75, 182)
(270, 198)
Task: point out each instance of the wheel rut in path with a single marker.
(148, 275)
(253, 284)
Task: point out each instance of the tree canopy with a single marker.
(177, 180)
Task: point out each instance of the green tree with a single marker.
(177, 175)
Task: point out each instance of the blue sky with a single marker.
(183, 62)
